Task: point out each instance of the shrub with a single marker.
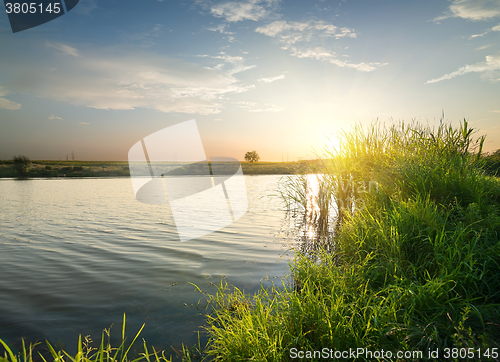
(22, 164)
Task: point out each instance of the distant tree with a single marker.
(22, 164)
(252, 157)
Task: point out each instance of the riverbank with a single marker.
(40, 169)
(50, 169)
(414, 269)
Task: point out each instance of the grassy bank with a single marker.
(114, 169)
(410, 267)
(414, 267)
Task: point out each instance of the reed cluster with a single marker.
(87, 351)
(415, 262)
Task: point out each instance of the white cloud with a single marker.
(271, 79)
(84, 123)
(248, 10)
(484, 47)
(289, 33)
(253, 107)
(296, 37)
(495, 28)
(64, 49)
(472, 10)
(221, 28)
(125, 79)
(5, 103)
(322, 54)
(489, 69)
(235, 62)
(54, 117)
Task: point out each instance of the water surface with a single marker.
(75, 254)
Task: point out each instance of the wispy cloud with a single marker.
(54, 117)
(5, 103)
(222, 28)
(64, 49)
(271, 79)
(125, 79)
(254, 107)
(472, 10)
(495, 28)
(236, 63)
(292, 32)
(323, 54)
(484, 47)
(298, 36)
(84, 123)
(489, 70)
(233, 11)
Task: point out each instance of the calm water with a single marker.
(75, 254)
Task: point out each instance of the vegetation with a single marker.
(86, 351)
(121, 169)
(22, 165)
(413, 265)
(67, 169)
(252, 157)
(492, 163)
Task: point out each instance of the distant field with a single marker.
(121, 168)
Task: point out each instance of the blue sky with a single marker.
(274, 76)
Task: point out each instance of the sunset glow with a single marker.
(267, 75)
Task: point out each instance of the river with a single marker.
(75, 254)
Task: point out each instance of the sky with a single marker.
(276, 76)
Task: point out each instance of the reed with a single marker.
(86, 352)
(415, 264)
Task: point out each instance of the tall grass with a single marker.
(415, 264)
(86, 352)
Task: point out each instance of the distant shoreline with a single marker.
(110, 169)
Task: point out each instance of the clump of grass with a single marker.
(415, 263)
(86, 353)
